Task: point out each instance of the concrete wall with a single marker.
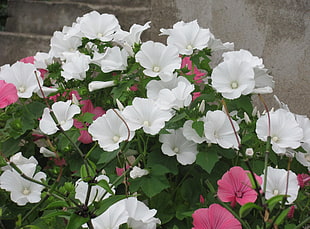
(276, 30)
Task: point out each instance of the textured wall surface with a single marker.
(276, 30)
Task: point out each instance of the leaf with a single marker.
(10, 147)
(105, 185)
(57, 204)
(199, 127)
(56, 213)
(207, 160)
(76, 221)
(153, 185)
(282, 216)
(274, 200)
(247, 208)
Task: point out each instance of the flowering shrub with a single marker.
(107, 131)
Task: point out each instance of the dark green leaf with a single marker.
(57, 204)
(207, 160)
(76, 221)
(247, 208)
(105, 185)
(282, 216)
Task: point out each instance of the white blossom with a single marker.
(158, 60)
(96, 85)
(114, 59)
(175, 144)
(280, 180)
(64, 112)
(137, 172)
(60, 45)
(75, 66)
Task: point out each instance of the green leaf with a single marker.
(199, 127)
(207, 160)
(274, 200)
(247, 208)
(87, 117)
(282, 216)
(57, 204)
(105, 185)
(76, 221)
(152, 185)
(10, 147)
(56, 213)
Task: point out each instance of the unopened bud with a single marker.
(254, 112)
(75, 100)
(202, 106)
(47, 153)
(246, 118)
(249, 152)
(120, 105)
(96, 85)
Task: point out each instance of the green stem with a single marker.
(34, 208)
(266, 163)
(303, 223)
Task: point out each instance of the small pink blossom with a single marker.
(290, 214)
(87, 107)
(8, 94)
(303, 180)
(186, 62)
(134, 88)
(214, 217)
(235, 187)
(201, 199)
(196, 95)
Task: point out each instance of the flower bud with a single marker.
(246, 118)
(96, 85)
(47, 153)
(120, 105)
(138, 172)
(249, 152)
(202, 106)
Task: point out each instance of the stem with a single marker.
(90, 225)
(266, 162)
(34, 208)
(303, 223)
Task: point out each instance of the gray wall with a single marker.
(276, 30)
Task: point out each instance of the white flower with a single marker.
(24, 76)
(110, 130)
(19, 159)
(99, 26)
(112, 218)
(285, 132)
(46, 152)
(45, 91)
(64, 112)
(114, 59)
(97, 192)
(191, 134)
(129, 39)
(146, 114)
(277, 184)
(218, 129)
(139, 215)
(60, 45)
(176, 144)
(216, 44)
(23, 191)
(249, 152)
(158, 60)
(303, 158)
(304, 123)
(138, 172)
(96, 85)
(175, 93)
(263, 82)
(76, 66)
(187, 37)
(233, 78)
(42, 60)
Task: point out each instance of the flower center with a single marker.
(115, 138)
(307, 157)
(21, 89)
(62, 122)
(189, 47)
(99, 35)
(239, 194)
(156, 69)
(146, 123)
(234, 85)
(176, 150)
(275, 139)
(275, 192)
(26, 191)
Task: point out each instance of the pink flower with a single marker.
(290, 214)
(235, 186)
(303, 180)
(134, 88)
(201, 199)
(8, 94)
(214, 217)
(87, 107)
(196, 95)
(186, 62)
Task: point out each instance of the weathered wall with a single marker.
(276, 30)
